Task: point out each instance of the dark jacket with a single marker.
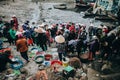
(71, 36)
(79, 45)
(116, 44)
(42, 38)
(95, 46)
(61, 47)
(4, 59)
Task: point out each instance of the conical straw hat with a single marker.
(42, 25)
(39, 30)
(59, 39)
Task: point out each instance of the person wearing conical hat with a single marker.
(61, 46)
(41, 38)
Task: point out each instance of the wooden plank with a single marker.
(111, 16)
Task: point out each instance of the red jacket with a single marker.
(72, 28)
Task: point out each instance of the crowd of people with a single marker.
(69, 38)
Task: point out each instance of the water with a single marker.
(50, 15)
(36, 15)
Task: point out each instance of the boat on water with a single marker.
(109, 8)
(60, 6)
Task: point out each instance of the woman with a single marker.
(11, 36)
(22, 47)
(41, 38)
(61, 46)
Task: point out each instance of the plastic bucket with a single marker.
(39, 59)
(65, 63)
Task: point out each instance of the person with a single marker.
(6, 29)
(118, 14)
(4, 59)
(49, 38)
(30, 41)
(79, 46)
(94, 46)
(61, 46)
(115, 46)
(41, 38)
(25, 25)
(15, 21)
(71, 36)
(41, 74)
(72, 28)
(11, 35)
(27, 33)
(22, 46)
(1, 24)
(33, 25)
(91, 30)
(1, 42)
(53, 31)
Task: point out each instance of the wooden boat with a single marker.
(104, 18)
(60, 6)
(83, 6)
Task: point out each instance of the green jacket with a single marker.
(12, 33)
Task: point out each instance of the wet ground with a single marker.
(51, 15)
(43, 10)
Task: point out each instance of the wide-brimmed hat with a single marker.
(94, 37)
(39, 30)
(91, 25)
(105, 26)
(42, 25)
(13, 16)
(59, 39)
